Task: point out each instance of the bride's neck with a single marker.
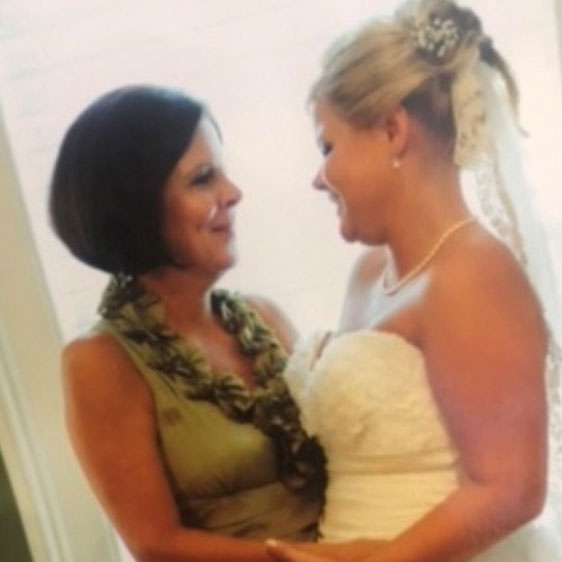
(428, 208)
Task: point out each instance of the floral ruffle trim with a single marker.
(138, 316)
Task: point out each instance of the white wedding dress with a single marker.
(390, 460)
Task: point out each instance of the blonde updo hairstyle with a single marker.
(384, 63)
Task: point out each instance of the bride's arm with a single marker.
(484, 343)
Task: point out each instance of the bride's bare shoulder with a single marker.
(482, 277)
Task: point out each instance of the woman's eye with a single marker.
(325, 148)
(203, 177)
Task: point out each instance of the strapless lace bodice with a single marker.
(368, 401)
(367, 398)
(365, 394)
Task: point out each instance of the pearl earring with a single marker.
(396, 162)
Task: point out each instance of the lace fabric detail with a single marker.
(298, 375)
(496, 209)
(334, 408)
(362, 396)
(554, 382)
(469, 113)
(139, 315)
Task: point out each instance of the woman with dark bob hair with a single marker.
(175, 404)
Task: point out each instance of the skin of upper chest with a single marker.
(367, 306)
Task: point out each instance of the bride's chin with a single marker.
(348, 230)
(347, 233)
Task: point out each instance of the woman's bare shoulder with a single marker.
(97, 364)
(93, 347)
(91, 343)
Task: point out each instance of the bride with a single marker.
(431, 403)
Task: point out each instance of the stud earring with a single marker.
(396, 162)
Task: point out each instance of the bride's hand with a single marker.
(351, 551)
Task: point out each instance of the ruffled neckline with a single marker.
(139, 317)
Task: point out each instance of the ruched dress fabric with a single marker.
(390, 460)
(224, 474)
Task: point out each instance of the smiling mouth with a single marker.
(335, 199)
(227, 229)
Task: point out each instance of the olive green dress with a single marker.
(237, 459)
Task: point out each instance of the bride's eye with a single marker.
(325, 148)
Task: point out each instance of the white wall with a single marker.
(252, 60)
(61, 520)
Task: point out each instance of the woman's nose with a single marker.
(319, 182)
(232, 194)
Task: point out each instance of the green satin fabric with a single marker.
(223, 473)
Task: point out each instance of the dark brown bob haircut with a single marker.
(106, 201)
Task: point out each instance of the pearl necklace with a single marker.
(426, 259)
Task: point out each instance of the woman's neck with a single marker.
(185, 294)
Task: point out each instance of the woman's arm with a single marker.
(111, 422)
